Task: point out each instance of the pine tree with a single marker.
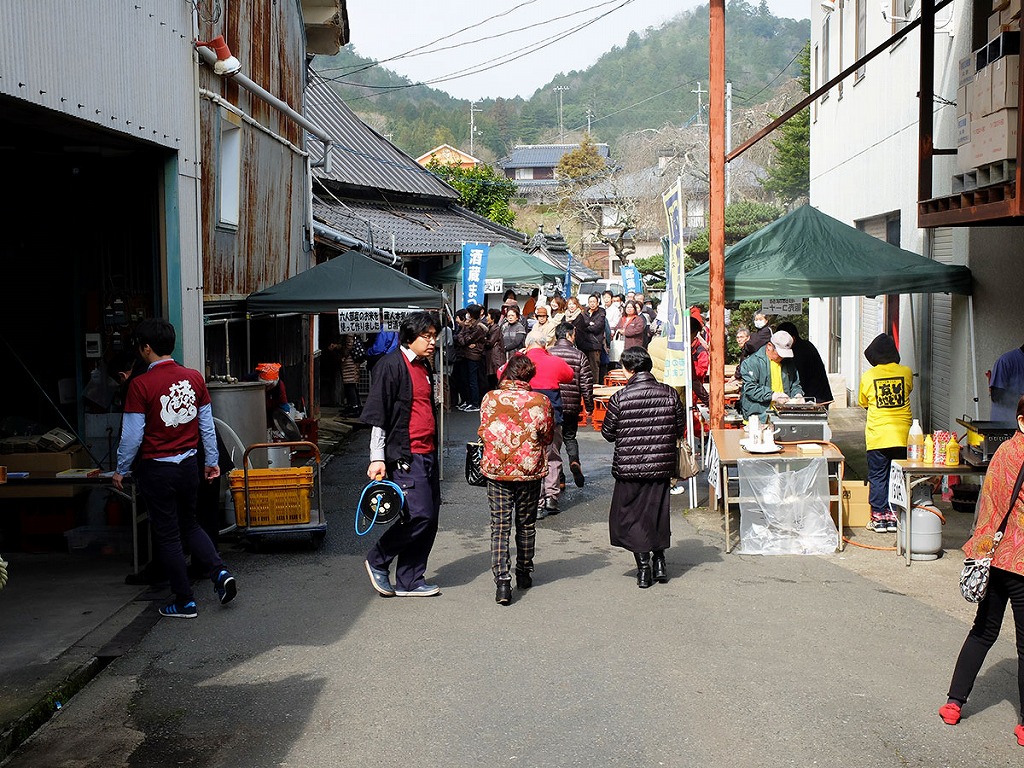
(789, 176)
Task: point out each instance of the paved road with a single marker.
(749, 661)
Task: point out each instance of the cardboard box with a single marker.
(994, 137)
(993, 25)
(963, 101)
(1005, 82)
(963, 130)
(967, 68)
(856, 509)
(964, 157)
(981, 93)
(44, 464)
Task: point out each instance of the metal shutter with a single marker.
(941, 327)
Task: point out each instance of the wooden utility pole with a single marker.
(716, 274)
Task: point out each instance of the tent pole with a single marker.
(974, 352)
(442, 432)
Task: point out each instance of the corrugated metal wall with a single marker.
(268, 244)
(125, 66)
(941, 329)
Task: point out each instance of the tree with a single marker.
(741, 219)
(583, 164)
(789, 175)
(481, 189)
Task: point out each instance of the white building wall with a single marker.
(864, 164)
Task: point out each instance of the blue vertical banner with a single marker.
(474, 272)
(568, 276)
(630, 279)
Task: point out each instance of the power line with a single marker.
(772, 81)
(419, 52)
(497, 61)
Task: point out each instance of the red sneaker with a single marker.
(950, 714)
(1019, 733)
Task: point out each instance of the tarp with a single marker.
(807, 254)
(506, 263)
(348, 280)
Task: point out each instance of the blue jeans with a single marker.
(879, 460)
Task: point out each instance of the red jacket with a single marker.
(551, 370)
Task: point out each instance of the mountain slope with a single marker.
(647, 83)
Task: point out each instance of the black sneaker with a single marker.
(175, 611)
(891, 525)
(523, 580)
(577, 474)
(225, 587)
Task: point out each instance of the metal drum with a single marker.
(243, 407)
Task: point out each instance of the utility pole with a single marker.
(728, 141)
(700, 105)
(590, 114)
(472, 124)
(561, 130)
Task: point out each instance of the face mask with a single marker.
(760, 323)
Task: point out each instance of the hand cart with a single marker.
(277, 501)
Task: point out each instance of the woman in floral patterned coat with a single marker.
(516, 426)
(1006, 577)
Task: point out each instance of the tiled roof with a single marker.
(543, 155)
(361, 157)
(419, 230)
(554, 250)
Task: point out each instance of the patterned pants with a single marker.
(508, 501)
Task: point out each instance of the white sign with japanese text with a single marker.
(782, 306)
(363, 320)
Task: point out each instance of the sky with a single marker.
(383, 29)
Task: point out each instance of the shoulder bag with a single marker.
(474, 455)
(688, 464)
(975, 574)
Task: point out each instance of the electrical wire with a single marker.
(417, 52)
(772, 81)
(498, 61)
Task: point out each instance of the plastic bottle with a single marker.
(929, 450)
(915, 442)
(952, 452)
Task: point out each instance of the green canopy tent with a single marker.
(346, 281)
(808, 254)
(506, 263)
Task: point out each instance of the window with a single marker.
(825, 55)
(861, 37)
(524, 173)
(900, 11)
(817, 82)
(229, 170)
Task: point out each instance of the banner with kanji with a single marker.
(474, 272)
(676, 327)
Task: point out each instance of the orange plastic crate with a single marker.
(276, 496)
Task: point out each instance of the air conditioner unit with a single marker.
(828, 5)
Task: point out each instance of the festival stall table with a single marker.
(901, 475)
(724, 454)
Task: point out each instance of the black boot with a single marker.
(643, 569)
(658, 567)
(503, 595)
(523, 580)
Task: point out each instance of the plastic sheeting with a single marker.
(784, 507)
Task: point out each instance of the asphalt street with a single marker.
(738, 660)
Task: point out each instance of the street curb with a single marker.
(44, 709)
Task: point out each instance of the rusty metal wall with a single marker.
(268, 244)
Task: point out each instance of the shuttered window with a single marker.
(941, 327)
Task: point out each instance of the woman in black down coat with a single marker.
(645, 420)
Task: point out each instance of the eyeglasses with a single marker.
(541, 315)
(429, 337)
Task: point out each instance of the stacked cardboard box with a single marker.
(987, 96)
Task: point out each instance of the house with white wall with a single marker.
(870, 160)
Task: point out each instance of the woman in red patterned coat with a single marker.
(516, 426)
(1006, 576)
